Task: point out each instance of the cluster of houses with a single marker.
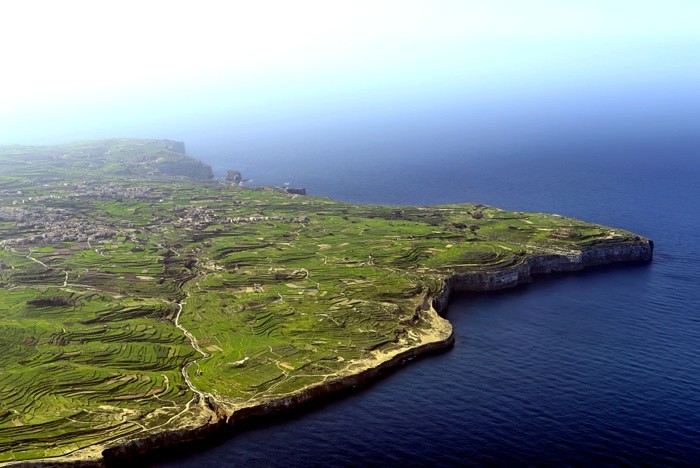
(199, 217)
(96, 190)
(92, 190)
(195, 217)
(39, 225)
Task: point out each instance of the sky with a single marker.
(76, 69)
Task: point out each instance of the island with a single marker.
(145, 303)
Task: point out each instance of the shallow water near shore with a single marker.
(597, 367)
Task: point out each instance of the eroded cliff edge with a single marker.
(639, 251)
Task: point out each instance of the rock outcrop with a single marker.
(234, 177)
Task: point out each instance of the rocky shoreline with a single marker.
(638, 251)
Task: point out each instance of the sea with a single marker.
(593, 368)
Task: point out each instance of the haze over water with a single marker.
(589, 111)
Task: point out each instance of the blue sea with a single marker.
(597, 368)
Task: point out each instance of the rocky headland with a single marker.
(165, 308)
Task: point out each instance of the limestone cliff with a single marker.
(185, 167)
(545, 263)
(175, 146)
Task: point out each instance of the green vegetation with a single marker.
(134, 301)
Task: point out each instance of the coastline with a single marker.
(439, 338)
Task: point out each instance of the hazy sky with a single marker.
(75, 68)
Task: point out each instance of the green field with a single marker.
(120, 278)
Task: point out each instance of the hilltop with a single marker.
(105, 159)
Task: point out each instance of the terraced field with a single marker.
(135, 302)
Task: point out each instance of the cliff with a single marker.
(184, 166)
(597, 255)
(228, 421)
(175, 146)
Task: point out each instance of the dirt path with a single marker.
(204, 355)
(29, 256)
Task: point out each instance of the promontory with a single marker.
(145, 303)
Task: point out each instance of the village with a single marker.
(39, 225)
(48, 220)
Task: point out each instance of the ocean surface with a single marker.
(596, 368)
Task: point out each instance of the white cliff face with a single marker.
(638, 252)
(603, 254)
